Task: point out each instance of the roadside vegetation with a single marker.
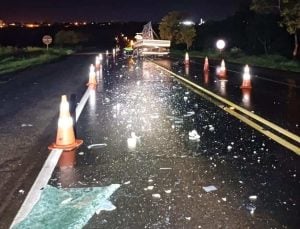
(266, 61)
(14, 59)
(262, 33)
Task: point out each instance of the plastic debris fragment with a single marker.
(209, 188)
(100, 145)
(193, 135)
(156, 195)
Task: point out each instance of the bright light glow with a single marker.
(220, 44)
(106, 52)
(100, 57)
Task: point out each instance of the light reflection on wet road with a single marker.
(145, 118)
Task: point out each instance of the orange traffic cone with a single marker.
(222, 70)
(186, 58)
(65, 137)
(246, 78)
(206, 65)
(92, 78)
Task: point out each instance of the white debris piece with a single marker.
(127, 182)
(229, 148)
(209, 188)
(26, 125)
(150, 180)
(224, 199)
(80, 153)
(188, 218)
(211, 128)
(193, 135)
(165, 168)
(21, 191)
(100, 145)
(168, 191)
(156, 195)
(253, 198)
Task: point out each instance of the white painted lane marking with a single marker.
(38, 186)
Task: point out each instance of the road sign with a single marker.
(47, 40)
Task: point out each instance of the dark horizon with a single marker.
(113, 10)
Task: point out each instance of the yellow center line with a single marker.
(244, 119)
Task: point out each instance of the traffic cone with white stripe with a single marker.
(222, 70)
(65, 137)
(92, 78)
(246, 78)
(186, 59)
(206, 65)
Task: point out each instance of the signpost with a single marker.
(47, 40)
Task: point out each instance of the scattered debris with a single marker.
(127, 182)
(26, 125)
(100, 145)
(156, 195)
(253, 198)
(193, 135)
(21, 191)
(81, 153)
(209, 188)
(149, 188)
(168, 191)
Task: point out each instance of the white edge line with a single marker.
(42, 179)
(82, 103)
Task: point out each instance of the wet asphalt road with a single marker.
(275, 95)
(28, 113)
(163, 177)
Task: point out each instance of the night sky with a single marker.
(112, 10)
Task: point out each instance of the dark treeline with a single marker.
(245, 31)
(252, 33)
(100, 35)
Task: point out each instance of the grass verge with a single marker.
(14, 59)
(266, 61)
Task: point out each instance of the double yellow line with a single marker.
(284, 137)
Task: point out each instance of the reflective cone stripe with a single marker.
(186, 58)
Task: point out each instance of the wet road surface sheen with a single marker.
(146, 120)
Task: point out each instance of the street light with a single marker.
(220, 45)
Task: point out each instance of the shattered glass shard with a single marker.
(68, 208)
